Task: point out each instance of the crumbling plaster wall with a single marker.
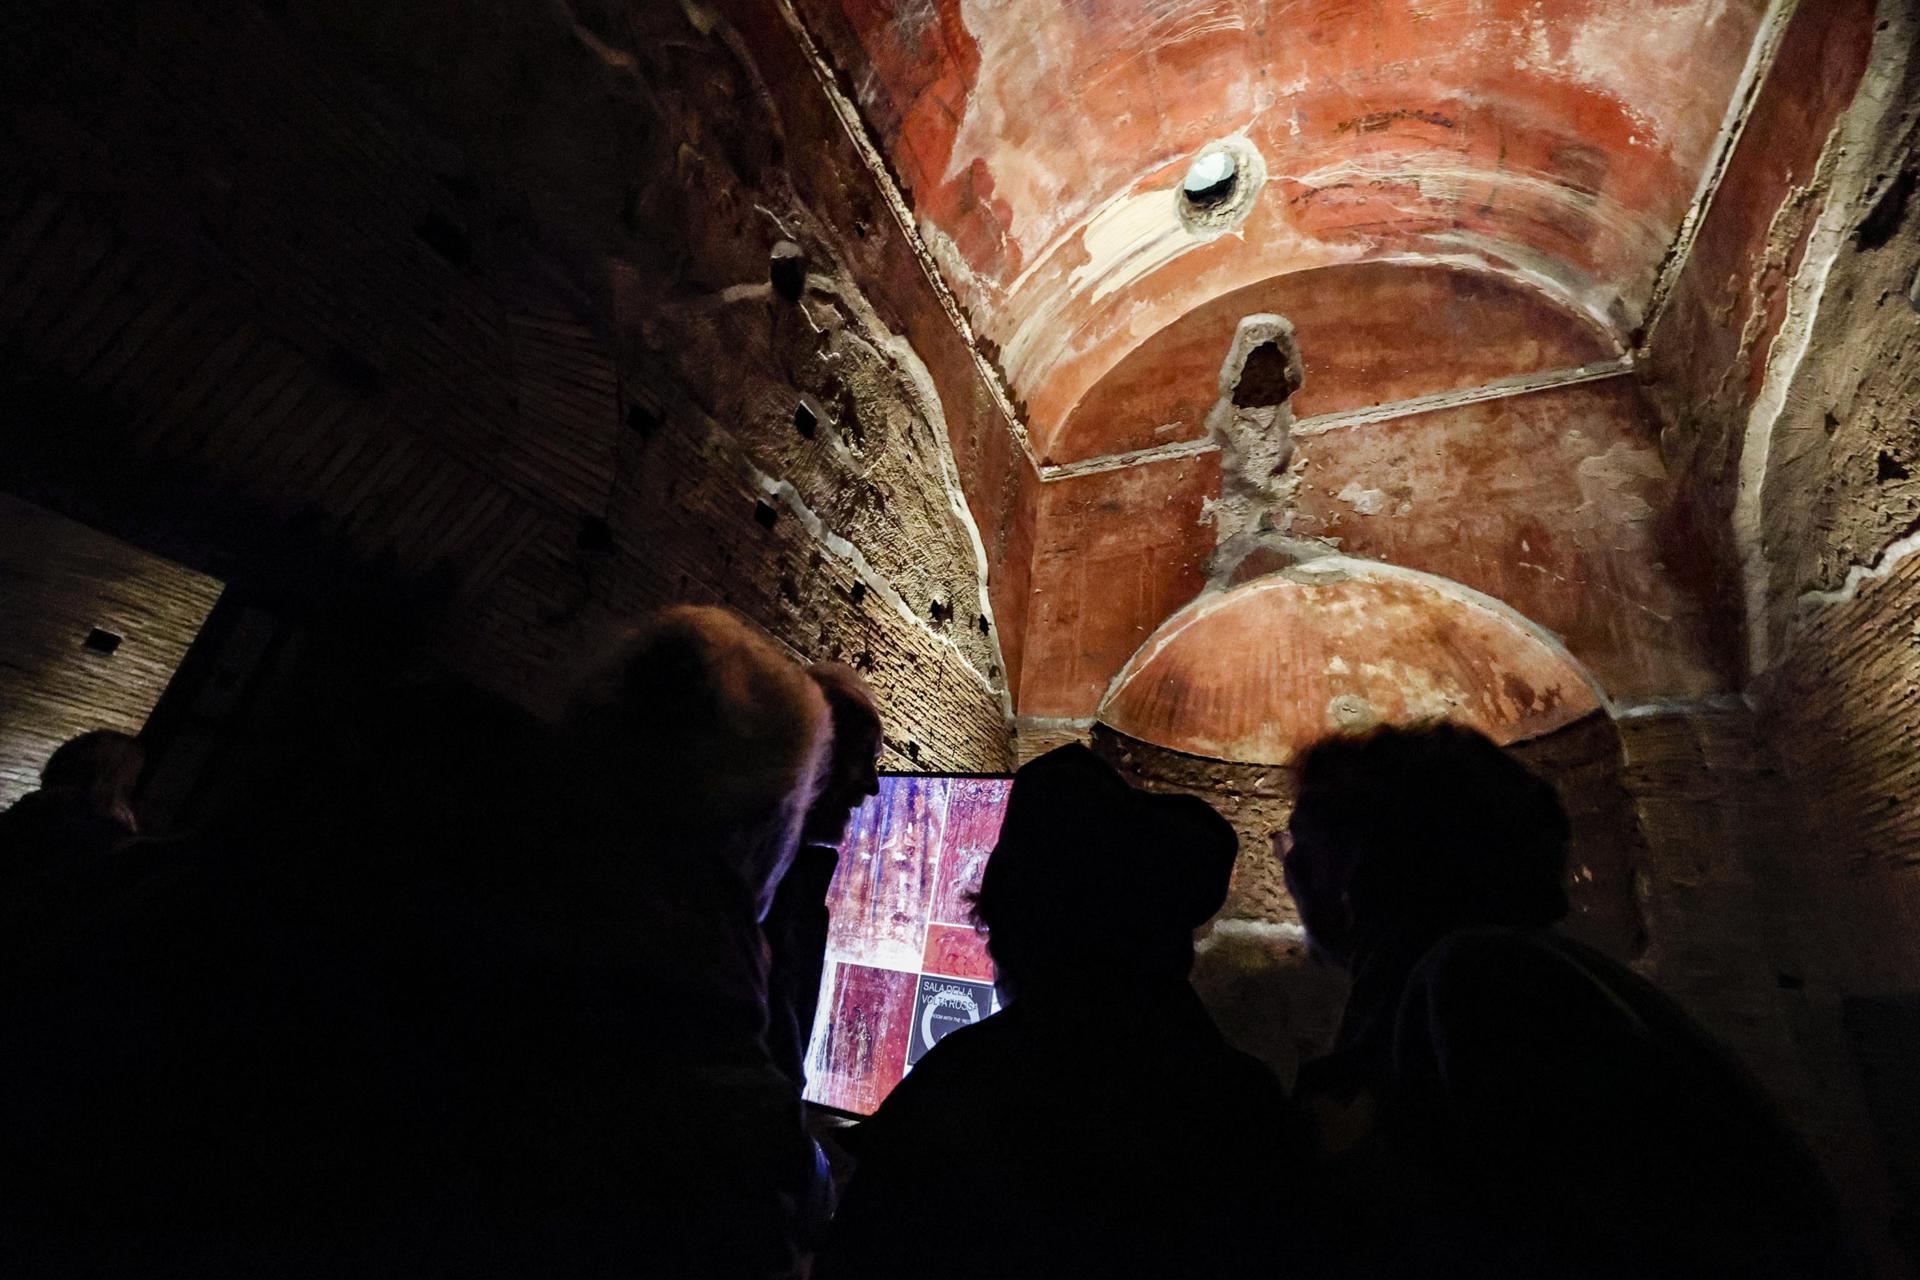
(1551, 501)
(486, 297)
(1558, 142)
(1705, 355)
(1788, 365)
(1837, 591)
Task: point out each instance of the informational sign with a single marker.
(944, 1005)
(905, 965)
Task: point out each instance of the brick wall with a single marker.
(91, 630)
(487, 304)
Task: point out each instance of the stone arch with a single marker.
(1257, 672)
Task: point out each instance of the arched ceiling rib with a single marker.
(1558, 142)
(1261, 672)
(1369, 333)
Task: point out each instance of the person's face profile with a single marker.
(1315, 871)
(852, 776)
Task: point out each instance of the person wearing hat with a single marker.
(1099, 1125)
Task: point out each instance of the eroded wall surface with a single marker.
(487, 298)
(1839, 520)
(1789, 362)
(1709, 348)
(1041, 144)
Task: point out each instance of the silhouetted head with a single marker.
(1409, 833)
(710, 733)
(1092, 879)
(102, 766)
(849, 776)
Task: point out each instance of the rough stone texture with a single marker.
(1844, 710)
(1707, 353)
(1833, 588)
(1738, 935)
(491, 300)
(59, 583)
(1034, 736)
(1842, 486)
(1251, 424)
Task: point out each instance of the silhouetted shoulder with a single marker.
(1559, 1096)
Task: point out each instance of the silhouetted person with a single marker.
(1502, 1101)
(796, 927)
(84, 806)
(1098, 1125)
(73, 843)
(457, 994)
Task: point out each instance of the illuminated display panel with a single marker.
(904, 963)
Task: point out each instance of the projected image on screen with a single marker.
(904, 965)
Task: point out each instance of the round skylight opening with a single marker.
(1210, 180)
(1220, 186)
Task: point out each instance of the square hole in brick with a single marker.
(765, 515)
(595, 535)
(101, 641)
(805, 421)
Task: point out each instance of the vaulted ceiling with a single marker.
(1558, 143)
(1469, 209)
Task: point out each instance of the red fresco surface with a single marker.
(1369, 333)
(957, 951)
(1549, 502)
(1260, 672)
(1563, 137)
(899, 907)
(860, 1052)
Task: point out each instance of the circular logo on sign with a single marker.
(960, 1008)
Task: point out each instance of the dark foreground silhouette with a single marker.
(457, 995)
(1503, 1101)
(1099, 1125)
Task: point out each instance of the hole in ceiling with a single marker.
(1220, 187)
(101, 641)
(1210, 180)
(1266, 378)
